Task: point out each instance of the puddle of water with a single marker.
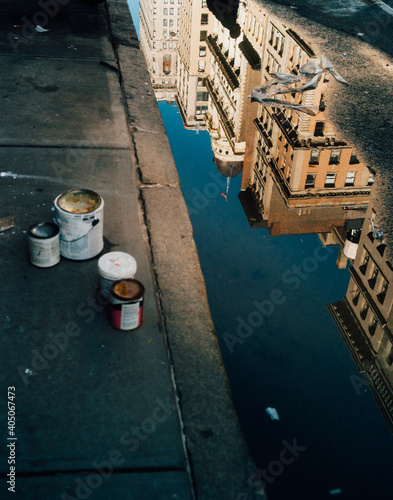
(274, 242)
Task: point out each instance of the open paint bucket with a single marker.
(115, 266)
(80, 215)
(126, 304)
(44, 244)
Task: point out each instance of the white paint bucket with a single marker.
(126, 307)
(80, 215)
(44, 244)
(115, 266)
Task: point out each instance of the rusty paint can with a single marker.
(126, 304)
(80, 215)
(44, 244)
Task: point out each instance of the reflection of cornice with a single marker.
(308, 50)
(250, 53)
(224, 120)
(222, 62)
(286, 128)
(261, 129)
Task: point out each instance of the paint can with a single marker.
(44, 244)
(80, 215)
(114, 266)
(126, 304)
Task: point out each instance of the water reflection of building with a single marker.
(234, 71)
(159, 35)
(193, 62)
(365, 316)
(301, 176)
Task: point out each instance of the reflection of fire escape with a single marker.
(286, 127)
(222, 62)
(226, 123)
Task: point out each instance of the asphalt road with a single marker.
(373, 18)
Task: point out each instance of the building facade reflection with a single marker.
(298, 174)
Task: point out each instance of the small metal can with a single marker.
(126, 304)
(44, 244)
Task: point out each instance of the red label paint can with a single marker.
(126, 304)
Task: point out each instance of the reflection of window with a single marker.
(164, 45)
(364, 312)
(202, 96)
(204, 3)
(164, 22)
(382, 294)
(370, 180)
(203, 36)
(154, 34)
(354, 159)
(314, 157)
(373, 278)
(164, 33)
(200, 82)
(319, 128)
(334, 156)
(355, 299)
(165, 12)
(170, 22)
(363, 267)
(204, 18)
(350, 179)
(201, 65)
(171, 11)
(310, 181)
(330, 180)
(202, 51)
(373, 326)
(201, 110)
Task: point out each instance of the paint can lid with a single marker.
(127, 290)
(43, 230)
(79, 201)
(117, 265)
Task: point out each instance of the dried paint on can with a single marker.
(114, 266)
(126, 304)
(80, 215)
(44, 244)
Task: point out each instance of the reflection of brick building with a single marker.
(365, 317)
(301, 176)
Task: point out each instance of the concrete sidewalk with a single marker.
(102, 413)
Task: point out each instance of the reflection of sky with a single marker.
(134, 9)
(295, 361)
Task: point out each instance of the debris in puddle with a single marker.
(272, 412)
(40, 29)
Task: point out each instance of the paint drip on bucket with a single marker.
(44, 244)
(126, 304)
(80, 215)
